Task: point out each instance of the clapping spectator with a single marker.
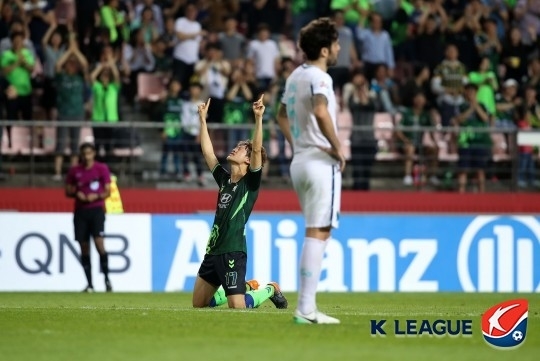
(265, 53)
(105, 91)
(17, 26)
(53, 49)
(191, 132)
(138, 56)
(156, 15)
(473, 146)
(17, 66)
(376, 46)
(429, 41)
(115, 21)
(148, 25)
(172, 128)
(71, 75)
(186, 52)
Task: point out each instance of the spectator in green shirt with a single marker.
(473, 146)
(105, 91)
(17, 65)
(486, 80)
(411, 142)
(172, 128)
(71, 73)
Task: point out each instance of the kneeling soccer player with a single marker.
(226, 253)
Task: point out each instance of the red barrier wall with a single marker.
(189, 201)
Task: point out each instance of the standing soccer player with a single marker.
(226, 253)
(307, 118)
(90, 184)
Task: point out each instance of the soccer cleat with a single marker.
(252, 285)
(108, 286)
(278, 299)
(314, 317)
(88, 289)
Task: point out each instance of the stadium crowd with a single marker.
(464, 63)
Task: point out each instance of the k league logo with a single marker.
(498, 254)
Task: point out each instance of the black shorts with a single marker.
(227, 270)
(89, 222)
(473, 158)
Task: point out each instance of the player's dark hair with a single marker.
(249, 147)
(87, 145)
(315, 36)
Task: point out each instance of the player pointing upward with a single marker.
(225, 260)
(307, 118)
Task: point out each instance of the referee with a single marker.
(89, 183)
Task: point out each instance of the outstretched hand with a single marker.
(258, 107)
(203, 110)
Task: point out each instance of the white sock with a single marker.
(310, 273)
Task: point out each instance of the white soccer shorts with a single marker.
(318, 186)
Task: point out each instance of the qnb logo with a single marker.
(498, 254)
(505, 325)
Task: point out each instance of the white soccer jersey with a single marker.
(304, 82)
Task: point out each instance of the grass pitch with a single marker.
(162, 327)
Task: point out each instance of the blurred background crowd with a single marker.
(437, 88)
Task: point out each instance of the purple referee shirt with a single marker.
(89, 180)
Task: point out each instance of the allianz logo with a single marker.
(495, 263)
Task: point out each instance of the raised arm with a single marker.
(95, 73)
(206, 143)
(255, 162)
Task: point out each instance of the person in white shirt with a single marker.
(265, 53)
(186, 51)
(308, 118)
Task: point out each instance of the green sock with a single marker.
(256, 298)
(219, 298)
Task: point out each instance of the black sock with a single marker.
(85, 261)
(104, 260)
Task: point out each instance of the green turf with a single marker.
(161, 327)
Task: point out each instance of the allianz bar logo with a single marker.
(504, 326)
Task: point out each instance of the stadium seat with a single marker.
(22, 143)
(49, 140)
(150, 87)
(500, 148)
(345, 123)
(87, 135)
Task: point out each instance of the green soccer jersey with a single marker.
(467, 136)
(234, 205)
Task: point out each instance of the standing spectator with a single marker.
(157, 15)
(213, 73)
(447, 84)
(526, 152)
(172, 131)
(186, 52)
(6, 18)
(527, 15)
(265, 53)
(237, 110)
(302, 12)
(411, 141)
(17, 26)
(115, 21)
(138, 55)
(418, 84)
(362, 105)
(347, 57)
(169, 36)
(191, 132)
(105, 90)
(90, 184)
(17, 65)
(162, 60)
(506, 106)
(486, 80)
(39, 16)
(429, 41)
(148, 25)
(462, 32)
(473, 146)
(515, 55)
(376, 46)
(269, 12)
(488, 43)
(53, 50)
(231, 40)
(71, 72)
